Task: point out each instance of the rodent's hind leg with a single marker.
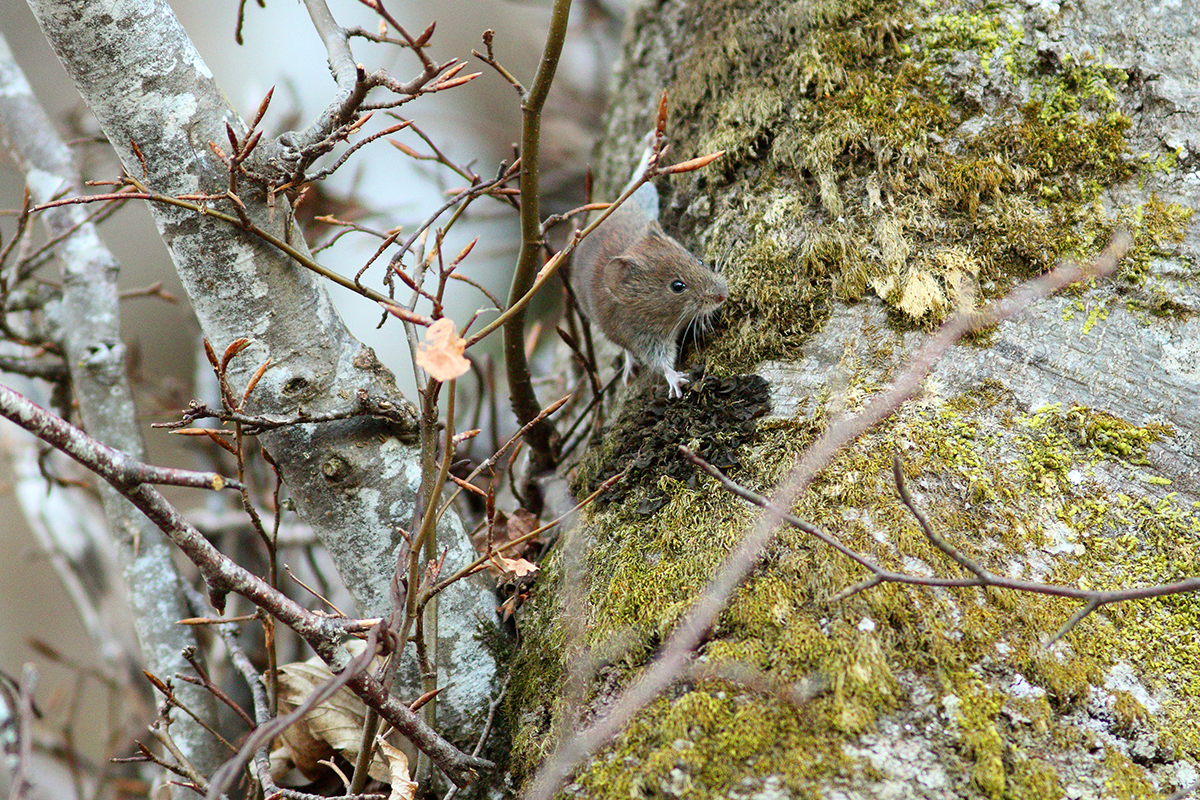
(675, 381)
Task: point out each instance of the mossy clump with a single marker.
(1115, 436)
(714, 419)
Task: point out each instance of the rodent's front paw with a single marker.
(675, 381)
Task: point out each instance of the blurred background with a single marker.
(478, 123)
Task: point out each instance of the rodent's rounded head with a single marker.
(659, 287)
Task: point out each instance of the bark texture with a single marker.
(356, 480)
(885, 167)
(88, 327)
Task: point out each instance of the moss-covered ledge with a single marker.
(887, 165)
(966, 671)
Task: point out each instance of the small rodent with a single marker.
(642, 287)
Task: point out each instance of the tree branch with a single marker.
(91, 337)
(542, 436)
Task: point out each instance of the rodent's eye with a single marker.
(677, 286)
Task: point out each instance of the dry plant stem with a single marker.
(424, 547)
(171, 700)
(201, 207)
(541, 437)
(34, 369)
(111, 50)
(487, 727)
(594, 404)
(161, 730)
(351, 150)
(262, 712)
(292, 252)
(253, 424)
(24, 732)
(465, 196)
(203, 680)
(353, 85)
(425, 617)
(678, 649)
(337, 49)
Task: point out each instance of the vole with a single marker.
(641, 286)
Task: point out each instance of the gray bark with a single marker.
(146, 84)
(89, 329)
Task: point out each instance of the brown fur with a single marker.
(622, 275)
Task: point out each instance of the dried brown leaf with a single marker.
(441, 354)
(403, 786)
(329, 728)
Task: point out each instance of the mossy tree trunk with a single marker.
(886, 165)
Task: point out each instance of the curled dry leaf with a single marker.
(510, 562)
(441, 354)
(331, 728)
(403, 786)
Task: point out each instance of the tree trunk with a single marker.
(885, 167)
(354, 480)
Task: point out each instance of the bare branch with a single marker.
(542, 437)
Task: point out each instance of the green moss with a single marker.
(978, 32)
(712, 735)
(537, 674)
(1114, 436)
(1033, 779)
(1129, 712)
(780, 626)
(1126, 781)
(1155, 224)
(863, 163)
(978, 709)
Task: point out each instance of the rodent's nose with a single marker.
(720, 292)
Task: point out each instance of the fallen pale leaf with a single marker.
(519, 567)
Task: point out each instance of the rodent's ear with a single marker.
(619, 272)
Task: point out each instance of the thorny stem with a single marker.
(542, 436)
